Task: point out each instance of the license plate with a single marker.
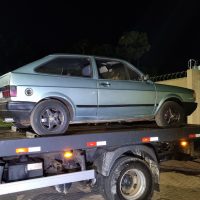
(1, 95)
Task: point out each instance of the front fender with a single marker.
(169, 97)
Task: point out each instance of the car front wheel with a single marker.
(50, 117)
(171, 114)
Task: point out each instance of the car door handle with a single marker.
(105, 84)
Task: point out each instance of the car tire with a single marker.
(171, 114)
(129, 179)
(50, 117)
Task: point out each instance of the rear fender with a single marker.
(64, 99)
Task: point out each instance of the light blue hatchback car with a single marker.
(58, 90)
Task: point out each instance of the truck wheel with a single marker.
(130, 179)
(171, 114)
(50, 117)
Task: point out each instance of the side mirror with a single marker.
(145, 77)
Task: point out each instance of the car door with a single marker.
(121, 92)
(81, 87)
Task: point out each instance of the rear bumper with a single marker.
(189, 107)
(19, 111)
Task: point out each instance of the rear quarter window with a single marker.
(79, 67)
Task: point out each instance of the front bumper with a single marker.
(19, 111)
(189, 107)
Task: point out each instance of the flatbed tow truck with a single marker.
(121, 161)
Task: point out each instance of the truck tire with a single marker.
(130, 179)
(50, 117)
(171, 114)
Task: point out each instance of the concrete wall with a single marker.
(192, 81)
(181, 82)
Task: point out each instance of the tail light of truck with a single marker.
(68, 154)
(9, 91)
(184, 143)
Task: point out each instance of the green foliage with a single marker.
(103, 50)
(86, 47)
(82, 46)
(133, 45)
(5, 125)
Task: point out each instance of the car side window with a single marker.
(133, 75)
(111, 69)
(70, 66)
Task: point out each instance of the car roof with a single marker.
(29, 68)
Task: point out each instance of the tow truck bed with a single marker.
(84, 137)
(105, 144)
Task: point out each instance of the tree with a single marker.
(132, 45)
(86, 47)
(103, 50)
(82, 46)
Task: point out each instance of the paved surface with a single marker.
(175, 185)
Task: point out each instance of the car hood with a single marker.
(174, 89)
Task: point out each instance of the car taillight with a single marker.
(9, 91)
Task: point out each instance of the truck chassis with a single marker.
(121, 161)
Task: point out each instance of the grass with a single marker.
(5, 125)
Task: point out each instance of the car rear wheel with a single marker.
(50, 117)
(171, 114)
